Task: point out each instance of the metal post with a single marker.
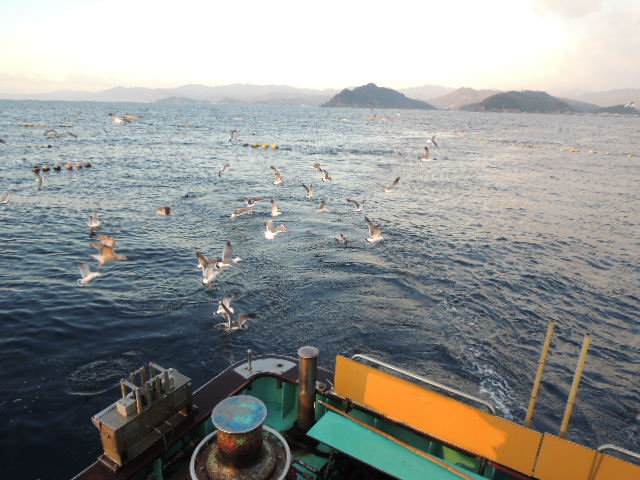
(249, 359)
(574, 387)
(307, 372)
(536, 382)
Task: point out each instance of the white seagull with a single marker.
(278, 175)
(227, 258)
(224, 170)
(233, 135)
(87, 274)
(425, 155)
(358, 205)
(309, 190)
(325, 176)
(241, 211)
(275, 210)
(6, 197)
(118, 120)
(433, 141)
(39, 179)
(240, 321)
(270, 233)
(204, 262)
(209, 274)
(375, 234)
(94, 221)
(226, 301)
(392, 187)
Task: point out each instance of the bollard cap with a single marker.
(308, 352)
(239, 414)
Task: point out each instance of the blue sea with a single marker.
(506, 230)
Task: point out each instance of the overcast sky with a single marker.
(553, 45)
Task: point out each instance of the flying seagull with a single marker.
(204, 262)
(275, 210)
(375, 234)
(433, 141)
(227, 258)
(270, 233)
(226, 301)
(309, 190)
(358, 205)
(278, 175)
(106, 249)
(224, 170)
(87, 274)
(251, 201)
(316, 166)
(241, 211)
(118, 120)
(325, 176)
(6, 197)
(392, 187)
(209, 274)
(240, 321)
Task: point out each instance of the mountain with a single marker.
(525, 101)
(244, 93)
(371, 95)
(426, 92)
(462, 96)
(619, 110)
(181, 101)
(581, 107)
(612, 97)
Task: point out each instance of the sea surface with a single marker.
(506, 230)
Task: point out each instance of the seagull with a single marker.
(316, 166)
(39, 179)
(628, 105)
(6, 197)
(209, 274)
(227, 258)
(392, 187)
(224, 170)
(241, 211)
(94, 221)
(166, 211)
(275, 210)
(425, 156)
(251, 201)
(321, 208)
(309, 190)
(240, 321)
(375, 234)
(325, 176)
(233, 135)
(226, 301)
(107, 254)
(358, 205)
(278, 175)
(118, 120)
(433, 141)
(87, 274)
(343, 239)
(270, 233)
(204, 262)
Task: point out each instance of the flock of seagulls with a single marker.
(212, 268)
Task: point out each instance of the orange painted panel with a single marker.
(611, 468)
(441, 417)
(561, 460)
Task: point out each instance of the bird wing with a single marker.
(107, 240)
(227, 253)
(354, 202)
(274, 207)
(242, 319)
(374, 231)
(281, 228)
(269, 225)
(84, 269)
(202, 260)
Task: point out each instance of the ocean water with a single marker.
(506, 230)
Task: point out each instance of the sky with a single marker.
(552, 45)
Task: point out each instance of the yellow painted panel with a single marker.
(441, 417)
(611, 468)
(561, 460)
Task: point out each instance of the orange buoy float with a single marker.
(46, 168)
(69, 166)
(274, 147)
(57, 167)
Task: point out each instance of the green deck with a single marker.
(378, 451)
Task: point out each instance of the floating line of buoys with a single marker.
(264, 146)
(57, 167)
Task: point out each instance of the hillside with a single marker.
(461, 97)
(611, 97)
(371, 95)
(526, 101)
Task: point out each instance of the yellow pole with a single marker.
(536, 382)
(568, 411)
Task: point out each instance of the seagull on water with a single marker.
(233, 135)
(321, 208)
(224, 170)
(6, 197)
(343, 239)
(226, 301)
(163, 211)
(425, 155)
(358, 205)
(325, 176)
(278, 175)
(309, 190)
(94, 221)
(87, 274)
(118, 120)
(240, 321)
(392, 187)
(275, 210)
(270, 233)
(375, 234)
(241, 211)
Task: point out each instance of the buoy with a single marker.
(255, 145)
(57, 167)
(69, 166)
(79, 165)
(87, 164)
(36, 169)
(265, 145)
(274, 147)
(245, 144)
(46, 168)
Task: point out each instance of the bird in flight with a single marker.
(94, 221)
(270, 233)
(278, 175)
(392, 187)
(358, 205)
(309, 190)
(87, 274)
(224, 170)
(375, 234)
(275, 210)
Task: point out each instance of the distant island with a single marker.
(371, 95)
(526, 101)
